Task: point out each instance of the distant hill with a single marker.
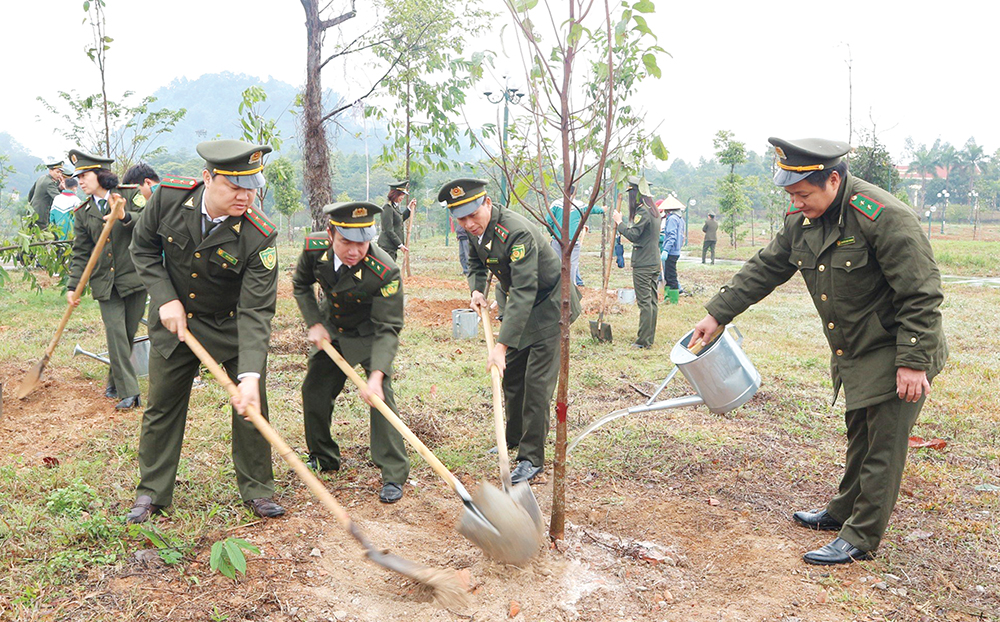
(212, 103)
(24, 175)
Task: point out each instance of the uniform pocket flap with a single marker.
(802, 258)
(850, 260)
(223, 258)
(172, 236)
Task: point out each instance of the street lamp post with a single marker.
(691, 204)
(509, 95)
(944, 194)
(974, 197)
(928, 214)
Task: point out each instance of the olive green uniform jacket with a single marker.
(873, 280)
(644, 233)
(227, 282)
(528, 272)
(362, 309)
(40, 197)
(392, 236)
(114, 267)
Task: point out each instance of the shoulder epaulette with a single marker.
(316, 241)
(867, 206)
(127, 186)
(260, 221)
(502, 233)
(793, 211)
(183, 183)
(376, 266)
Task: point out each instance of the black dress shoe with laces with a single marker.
(839, 551)
(817, 519)
(391, 493)
(265, 508)
(141, 510)
(318, 467)
(128, 403)
(524, 472)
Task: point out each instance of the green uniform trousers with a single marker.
(163, 431)
(323, 383)
(528, 384)
(877, 443)
(644, 281)
(121, 319)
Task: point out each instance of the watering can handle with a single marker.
(739, 335)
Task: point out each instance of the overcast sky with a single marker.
(920, 69)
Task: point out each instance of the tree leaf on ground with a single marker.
(712, 501)
(934, 443)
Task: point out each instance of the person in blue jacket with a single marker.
(673, 240)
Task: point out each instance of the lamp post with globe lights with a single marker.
(930, 211)
(509, 95)
(974, 198)
(944, 194)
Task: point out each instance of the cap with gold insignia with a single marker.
(83, 162)
(463, 196)
(239, 161)
(401, 185)
(53, 164)
(355, 220)
(797, 159)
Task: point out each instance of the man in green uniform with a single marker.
(393, 216)
(527, 270)
(114, 282)
(643, 230)
(208, 259)
(363, 312)
(46, 189)
(873, 279)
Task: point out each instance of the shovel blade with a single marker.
(525, 498)
(513, 538)
(444, 584)
(31, 379)
(600, 331)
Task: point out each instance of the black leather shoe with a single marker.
(817, 519)
(524, 472)
(391, 493)
(639, 346)
(265, 508)
(141, 510)
(839, 551)
(127, 403)
(318, 467)
(111, 392)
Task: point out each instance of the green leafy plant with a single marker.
(69, 501)
(169, 554)
(227, 556)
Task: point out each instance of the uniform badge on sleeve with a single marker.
(637, 218)
(269, 257)
(516, 253)
(138, 200)
(390, 288)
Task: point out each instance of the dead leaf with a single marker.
(712, 501)
(821, 597)
(917, 534)
(50, 462)
(434, 390)
(667, 596)
(458, 350)
(515, 608)
(934, 443)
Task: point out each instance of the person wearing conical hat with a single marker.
(528, 271)
(44, 191)
(361, 315)
(871, 274)
(208, 257)
(392, 237)
(114, 283)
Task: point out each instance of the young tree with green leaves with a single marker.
(258, 129)
(733, 201)
(583, 62)
(280, 175)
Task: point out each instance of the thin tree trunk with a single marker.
(413, 213)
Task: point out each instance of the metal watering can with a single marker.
(721, 374)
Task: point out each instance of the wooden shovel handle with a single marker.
(116, 202)
(700, 344)
(499, 424)
(393, 419)
(308, 477)
(607, 267)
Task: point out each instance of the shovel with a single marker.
(600, 331)
(520, 494)
(445, 586)
(491, 521)
(30, 381)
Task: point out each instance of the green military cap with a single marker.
(633, 181)
(240, 162)
(355, 220)
(797, 159)
(401, 185)
(463, 196)
(52, 165)
(83, 162)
